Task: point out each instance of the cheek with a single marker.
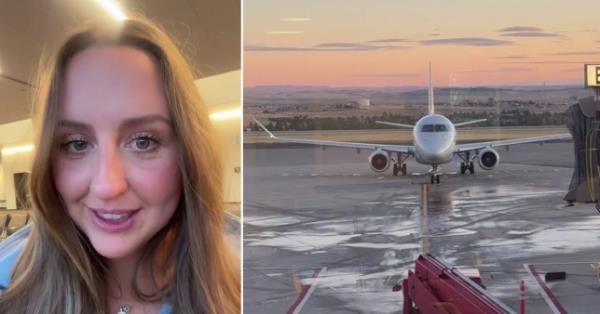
(157, 184)
(71, 179)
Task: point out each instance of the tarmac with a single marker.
(325, 234)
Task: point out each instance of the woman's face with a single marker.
(116, 161)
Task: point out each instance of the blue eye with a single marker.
(79, 146)
(75, 146)
(143, 143)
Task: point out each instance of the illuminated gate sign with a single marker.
(592, 75)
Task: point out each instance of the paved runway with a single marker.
(322, 219)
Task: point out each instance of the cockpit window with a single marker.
(434, 128)
(427, 128)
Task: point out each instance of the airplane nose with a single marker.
(429, 147)
(433, 149)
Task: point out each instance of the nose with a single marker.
(109, 179)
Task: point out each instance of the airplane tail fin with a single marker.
(430, 98)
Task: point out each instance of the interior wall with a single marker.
(230, 150)
(223, 93)
(18, 133)
(2, 193)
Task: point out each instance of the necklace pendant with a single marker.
(123, 310)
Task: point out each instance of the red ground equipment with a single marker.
(434, 287)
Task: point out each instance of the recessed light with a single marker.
(226, 115)
(296, 19)
(17, 149)
(113, 8)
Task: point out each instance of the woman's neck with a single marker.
(121, 274)
(121, 293)
(150, 278)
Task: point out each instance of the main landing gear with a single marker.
(467, 163)
(400, 164)
(464, 168)
(399, 168)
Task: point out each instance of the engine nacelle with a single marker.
(488, 159)
(379, 161)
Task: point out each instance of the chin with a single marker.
(114, 248)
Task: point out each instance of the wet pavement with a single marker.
(321, 219)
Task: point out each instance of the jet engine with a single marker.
(488, 159)
(379, 161)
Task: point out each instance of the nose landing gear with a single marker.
(435, 177)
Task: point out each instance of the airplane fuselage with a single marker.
(434, 139)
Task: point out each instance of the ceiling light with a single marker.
(113, 9)
(226, 115)
(17, 149)
(296, 19)
(284, 32)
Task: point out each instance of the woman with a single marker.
(125, 185)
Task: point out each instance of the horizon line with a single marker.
(422, 86)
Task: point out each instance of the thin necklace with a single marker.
(124, 309)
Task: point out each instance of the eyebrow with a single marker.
(133, 122)
(126, 124)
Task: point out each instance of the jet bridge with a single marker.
(583, 122)
(437, 288)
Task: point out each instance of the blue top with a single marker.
(165, 309)
(10, 250)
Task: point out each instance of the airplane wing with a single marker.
(390, 148)
(400, 125)
(537, 139)
(469, 122)
(406, 149)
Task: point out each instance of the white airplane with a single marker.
(434, 143)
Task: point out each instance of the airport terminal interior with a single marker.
(214, 56)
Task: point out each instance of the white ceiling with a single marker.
(208, 32)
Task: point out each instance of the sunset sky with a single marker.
(380, 43)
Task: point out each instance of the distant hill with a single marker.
(290, 95)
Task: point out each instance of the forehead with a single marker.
(104, 83)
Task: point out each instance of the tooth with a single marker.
(111, 216)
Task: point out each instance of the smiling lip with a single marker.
(108, 221)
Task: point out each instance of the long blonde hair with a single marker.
(59, 271)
